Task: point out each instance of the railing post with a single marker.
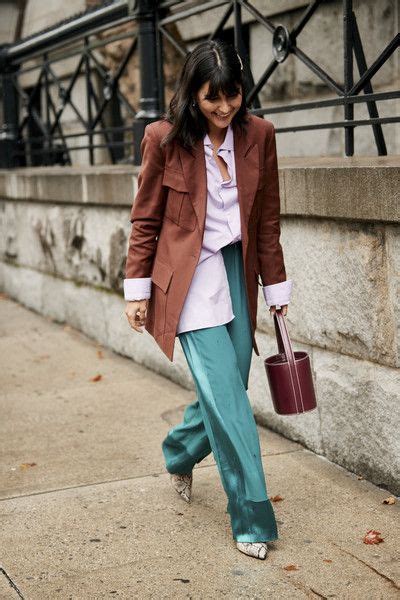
(9, 127)
(348, 73)
(150, 109)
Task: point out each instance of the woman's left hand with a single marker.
(284, 307)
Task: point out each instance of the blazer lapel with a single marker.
(247, 172)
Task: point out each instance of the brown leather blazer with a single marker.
(168, 216)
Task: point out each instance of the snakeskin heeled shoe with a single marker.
(182, 483)
(255, 549)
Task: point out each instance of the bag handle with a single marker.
(285, 348)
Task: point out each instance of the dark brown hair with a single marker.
(214, 61)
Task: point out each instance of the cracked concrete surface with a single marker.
(87, 510)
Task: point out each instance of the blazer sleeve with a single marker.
(146, 218)
(276, 288)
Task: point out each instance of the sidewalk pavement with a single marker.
(87, 510)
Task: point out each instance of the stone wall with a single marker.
(63, 241)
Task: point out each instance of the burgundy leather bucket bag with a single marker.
(289, 374)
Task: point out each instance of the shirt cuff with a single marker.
(278, 293)
(137, 288)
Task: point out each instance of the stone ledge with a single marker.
(111, 185)
(357, 188)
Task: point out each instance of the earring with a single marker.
(193, 103)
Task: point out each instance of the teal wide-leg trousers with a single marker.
(221, 419)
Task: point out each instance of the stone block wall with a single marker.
(63, 242)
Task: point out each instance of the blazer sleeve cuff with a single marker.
(278, 293)
(137, 288)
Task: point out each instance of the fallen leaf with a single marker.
(3, 296)
(276, 498)
(372, 537)
(327, 560)
(291, 568)
(360, 477)
(96, 378)
(27, 465)
(389, 500)
(100, 354)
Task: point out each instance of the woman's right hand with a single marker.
(136, 312)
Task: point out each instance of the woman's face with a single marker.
(219, 110)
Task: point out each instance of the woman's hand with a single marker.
(136, 311)
(284, 307)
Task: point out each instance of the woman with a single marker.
(205, 224)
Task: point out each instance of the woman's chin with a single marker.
(221, 123)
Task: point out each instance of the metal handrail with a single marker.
(38, 136)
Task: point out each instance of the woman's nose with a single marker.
(224, 106)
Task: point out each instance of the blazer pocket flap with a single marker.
(161, 275)
(175, 180)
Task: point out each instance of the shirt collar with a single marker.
(227, 144)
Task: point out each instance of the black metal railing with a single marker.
(34, 129)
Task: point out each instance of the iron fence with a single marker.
(34, 133)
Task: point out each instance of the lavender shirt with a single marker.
(208, 302)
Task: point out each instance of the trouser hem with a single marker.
(253, 538)
(253, 521)
(182, 466)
